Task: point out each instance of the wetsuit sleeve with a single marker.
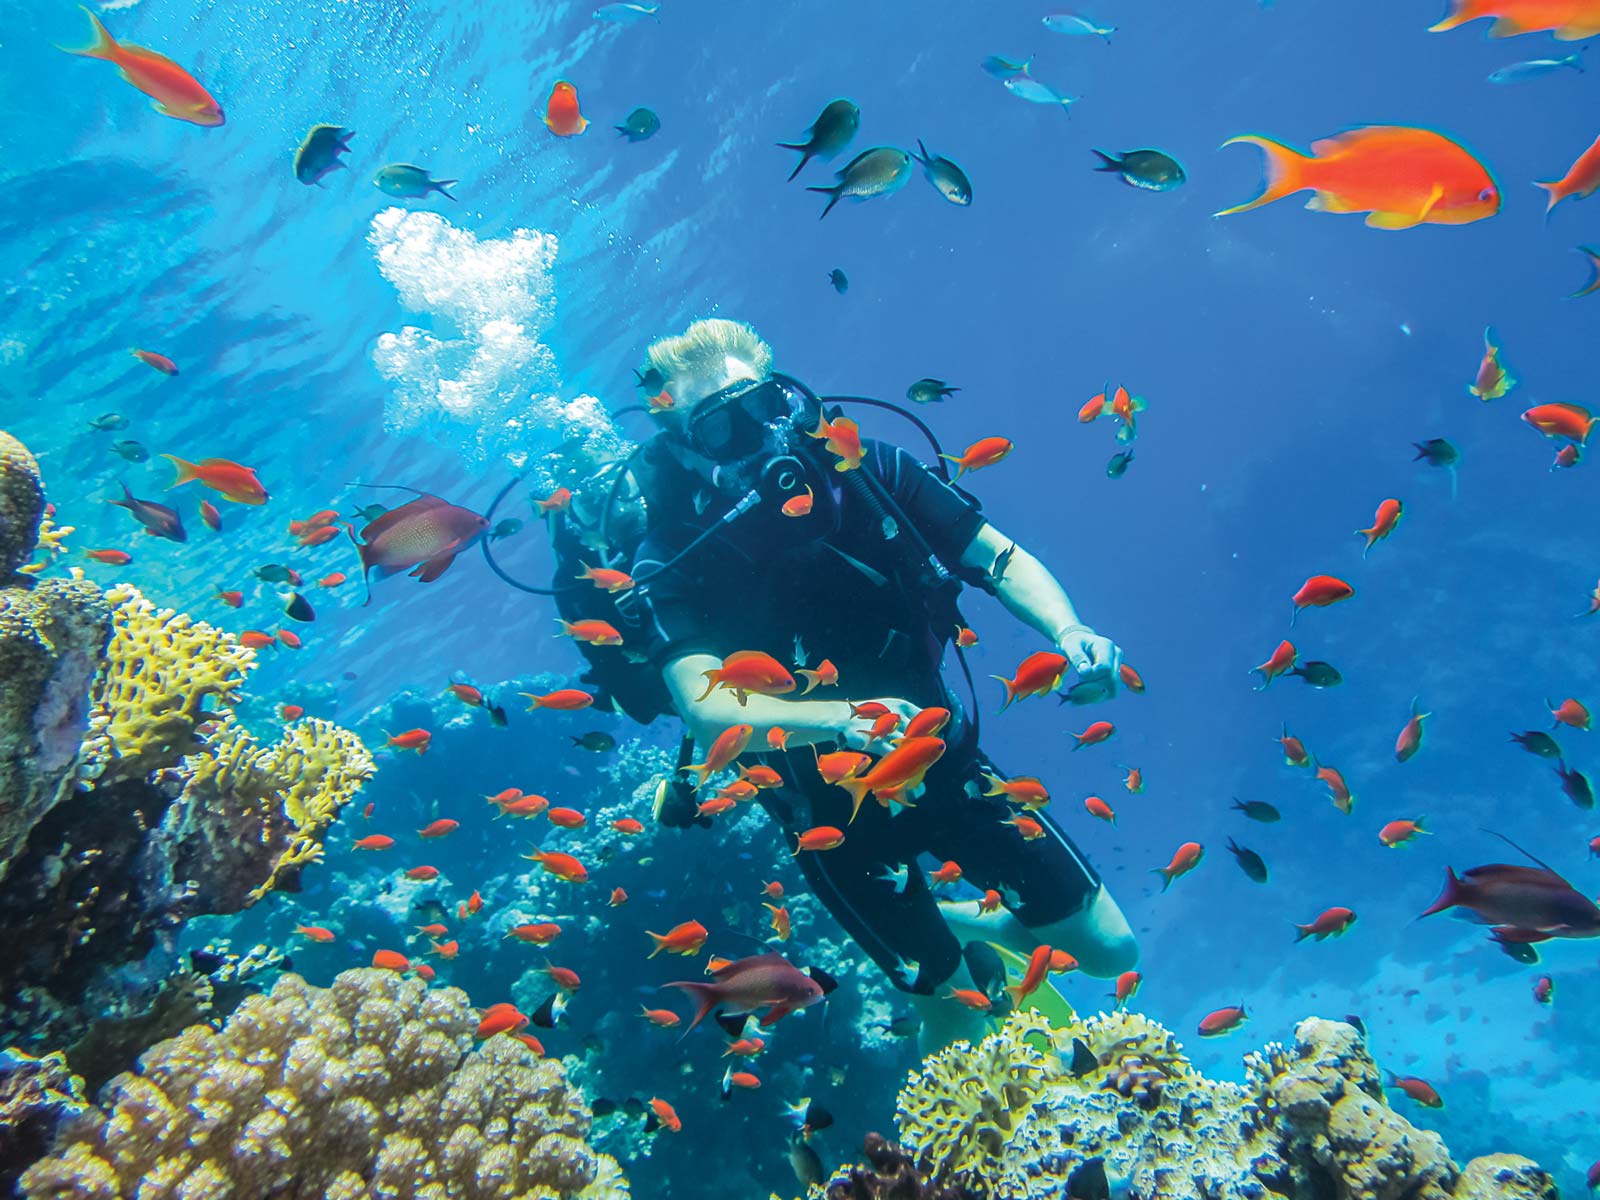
(946, 518)
(675, 618)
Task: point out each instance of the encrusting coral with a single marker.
(37, 1096)
(21, 505)
(366, 1088)
(1013, 1117)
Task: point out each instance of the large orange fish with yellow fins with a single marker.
(1568, 20)
(1400, 176)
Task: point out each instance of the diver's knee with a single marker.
(1108, 946)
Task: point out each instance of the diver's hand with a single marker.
(856, 732)
(1096, 659)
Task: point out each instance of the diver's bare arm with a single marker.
(1027, 589)
(804, 720)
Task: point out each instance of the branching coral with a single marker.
(366, 1088)
(162, 670)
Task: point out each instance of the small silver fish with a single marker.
(950, 180)
(627, 13)
(1026, 87)
(881, 171)
(1075, 26)
(1523, 71)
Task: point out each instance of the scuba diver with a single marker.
(867, 578)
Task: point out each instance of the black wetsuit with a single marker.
(768, 582)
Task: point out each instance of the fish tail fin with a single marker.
(924, 157)
(1449, 897)
(1458, 13)
(996, 784)
(858, 789)
(1555, 192)
(1108, 162)
(1283, 166)
(1302, 932)
(186, 470)
(706, 997)
(361, 553)
(659, 940)
(702, 770)
(833, 194)
(805, 157)
(104, 45)
(1010, 691)
(961, 470)
(713, 678)
(812, 678)
(442, 185)
(1166, 876)
(1588, 289)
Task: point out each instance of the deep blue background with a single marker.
(1289, 360)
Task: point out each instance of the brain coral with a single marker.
(367, 1088)
(21, 504)
(162, 670)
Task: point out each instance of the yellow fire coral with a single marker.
(369, 1087)
(251, 816)
(162, 669)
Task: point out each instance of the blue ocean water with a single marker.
(329, 335)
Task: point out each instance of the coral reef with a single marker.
(21, 505)
(37, 1096)
(1014, 1116)
(367, 1088)
(889, 1175)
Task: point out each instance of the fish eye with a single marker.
(1486, 194)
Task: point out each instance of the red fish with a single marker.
(375, 841)
(592, 632)
(1131, 679)
(606, 579)
(970, 998)
(799, 506)
(176, 93)
(1097, 807)
(1338, 789)
(663, 400)
(1383, 523)
(412, 739)
(1571, 713)
(445, 950)
(1544, 989)
(210, 517)
(1419, 1090)
(716, 806)
(422, 536)
(1568, 20)
(433, 931)
(1399, 833)
(1283, 658)
(1294, 750)
(748, 673)
(820, 837)
(628, 825)
(730, 743)
(466, 693)
(663, 1018)
(291, 712)
(778, 738)
(235, 482)
(1037, 675)
(233, 599)
(930, 722)
(1093, 408)
(390, 960)
(473, 905)
(112, 558)
(949, 872)
(766, 981)
(1331, 923)
(1185, 859)
(666, 1114)
(564, 978)
(540, 933)
(440, 828)
(562, 700)
(1032, 977)
(773, 890)
(984, 452)
(500, 1018)
(567, 818)
(316, 933)
(1582, 178)
(159, 362)
(780, 920)
(1223, 1020)
(423, 873)
(1127, 987)
(965, 638)
(331, 581)
(1030, 829)
(841, 437)
(1135, 780)
(563, 866)
(557, 501)
(561, 114)
(1401, 177)
(1098, 732)
(319, 537)
(840, 765)
(1493, 381)
(1026, 790)
(825, 675)
(1320, 591)
(1570, 421)
(990, 902)
(686, 938)
(1568, 456)
(1410, 739)
(898, 771)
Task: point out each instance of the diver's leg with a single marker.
(945, 1020)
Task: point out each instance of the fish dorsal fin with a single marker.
(1520, 850)
(1323, 147)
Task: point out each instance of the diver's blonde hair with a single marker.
(704, 348)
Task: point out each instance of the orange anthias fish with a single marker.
(730, 743)
(1398, 833)
(500, 1018)
(289, 638)
(466, 693)
(210, 517)
(1294, 750)
(930, 722)
(778, 738)
(422, 536)
(567, 818)
(1410, 739)
(1331, 923)
(562, 866)
(1383, 523)
(1026, 790)
(605, 578)
(990, 902)
(1038, 967)
(1184, 860)
(631, 826)
(1570, 421)
(1037, 675)
(1097, 807)
(412, 739)
(176, 93)
(1097, 732)
(984, 452)
(541, 933)
(593, 632)
(965, 638)
(1338, 789)
(316, 933)
(1131, 679)
(1419, 1090)
(842, 438)
(158, 362)
(1223, 1020)
(825, 675)
(686, 938)
(1135, 780)
(1569, 20)
(780, 920)
(1283, 658)
(898, 771)
(619, 896)
(561, 115)
(112, 558)
(663, 1018)
(332, 581)
(562, 699)
(1493, 380)
(1320, 591)
(1401, 177)
(423, 873)
(233, 599)
(374, 841)
(440, 828)
(799, 506)
(1572, 713)
(748, 673)
(666, 1114)
(1030, 829)
(970, 997)
(1127, 987)
(235, 482)
(773, 889)
(822, 837)
(949, 872)
(557, 501)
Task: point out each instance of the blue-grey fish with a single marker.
(130, 450)
(840, 281)
(319, 153)
(1003, 68)
(1026, 87)
(158, 519)
(639, 125)
(1118, 466)
(929, 390)
(109, 422)
(1076, 26)
(880, 171)
(409, 182)
(950, 180)
(1523, 71)
(627, 13)
(829, 133)
(1148, 170)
